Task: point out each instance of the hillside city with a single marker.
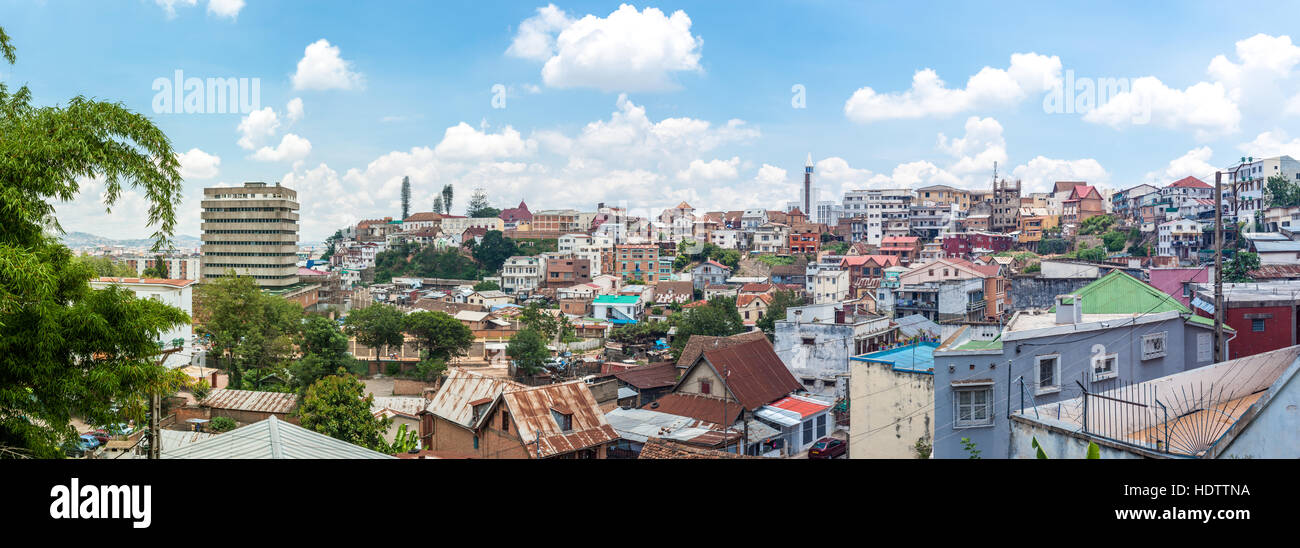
(496, 230)
(872, 328)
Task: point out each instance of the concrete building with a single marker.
(1181, 239)
(1264, 315)
(1113, 331)
(891, 402)
(830, 286)
(816, 341)
(1006, 206)
(880, 208)
(176, 293)
(252, 230)
(522, 274)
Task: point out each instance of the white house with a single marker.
(176, 293)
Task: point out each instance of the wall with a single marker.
(1272, 434)
(1055, 269)
(832, 346)
(1040, 292)
(409, 387)
(1170, 280)
(1076, 351)
(691, 383)
(1279, 330)
(888, 411)
(1056, 444)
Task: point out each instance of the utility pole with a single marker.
(1218, 266)
(155, 409)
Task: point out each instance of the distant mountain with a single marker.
(82, 240)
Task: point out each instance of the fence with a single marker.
(1130, 414)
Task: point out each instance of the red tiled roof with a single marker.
(745, 300)
(150, 281)
(1084, 192)
(656, 448)
(423, 216)
(1189, 182)
(754, 373)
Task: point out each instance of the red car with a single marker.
(100, 435)
(828, 448)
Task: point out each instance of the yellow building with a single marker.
(1034, 221)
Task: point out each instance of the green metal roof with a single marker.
(995, 344)
(1207, 322)
(1119, 293)
(620, 299)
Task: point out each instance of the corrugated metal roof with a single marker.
(1119, 293)
(272, 439)
(530, 409)
(805, 407)
(251, 400)
(462, 386)
(650, 376)
(697, 407)
(656, 448)
(406, 405)
(1275, 247)
(697, 343)
(753, 372)
(642, 424)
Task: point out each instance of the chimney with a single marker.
(839, 314)
(1071, 312)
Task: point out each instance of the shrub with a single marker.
(222, 424)
(200, 389)
(393, 369)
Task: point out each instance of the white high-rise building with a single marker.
(880, 208)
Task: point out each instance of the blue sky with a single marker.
(651, 104)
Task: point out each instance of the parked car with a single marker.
(101, 435)
(88, 442)
(828, 448)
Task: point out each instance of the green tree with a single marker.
(718, 318)
(479, 206)
(781, 300)
(528, 350)
(487, 285)
(1238, 268)
(440, 335)
(446, 198)
(1052, 246)
(1114, 240)
(324, 349)
(250, 330)
(406, 197)
(158, 269)
(437, 204)
(1096, 224)
(1281, 192)
(493, 251)
(106, 267)
(67, 350)
(375, 326)
(339, 407)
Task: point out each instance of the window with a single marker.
(808, 432)
(1104, 367)
(973, 407)
(563, 420)
(476, 442)
(809, 340)
(1048, 373)
(821, 426)
(1153, 345)
(505, 421)
(1187, 289)
(705, 386)
(1257, 325)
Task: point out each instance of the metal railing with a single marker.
(1128, 414)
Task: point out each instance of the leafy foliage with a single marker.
(1115, 240)
(479, 206)
(493, 251)
(106, 267)
(1052, 246)
(406, 197)
(1097, 224)
(640, 332)
(425, 262)
(487, 285)
(970, 448)
(439, 336)
(528, 350)
(339, 407)
(781, 300)
(1237, 269)
(250, 330)
(775, 260)
(447, 193)
(66, 350)
(324, 350)
(375, 326)
(222, 424)
(717, 318)
(1281, 192)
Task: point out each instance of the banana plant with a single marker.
(405, 441)
(1094, 451)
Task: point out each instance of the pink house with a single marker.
(1177, 282)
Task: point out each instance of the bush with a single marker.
(222, 424)
(200, 389)
(1036, 267)
(393, 369)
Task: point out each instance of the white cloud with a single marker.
(1027, 75)
(536, 37)
(170, 5)
(1271, 143)
(626, 51)
(1204, 107)
(464, 142)
(714, 170)
(1264, 60)
(257, 126)
(225, 8)
(322, 68)
(1040, 173)
(291, 149)
(197, 164)
(976, 152)
(293, 111)
(1196, 163)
